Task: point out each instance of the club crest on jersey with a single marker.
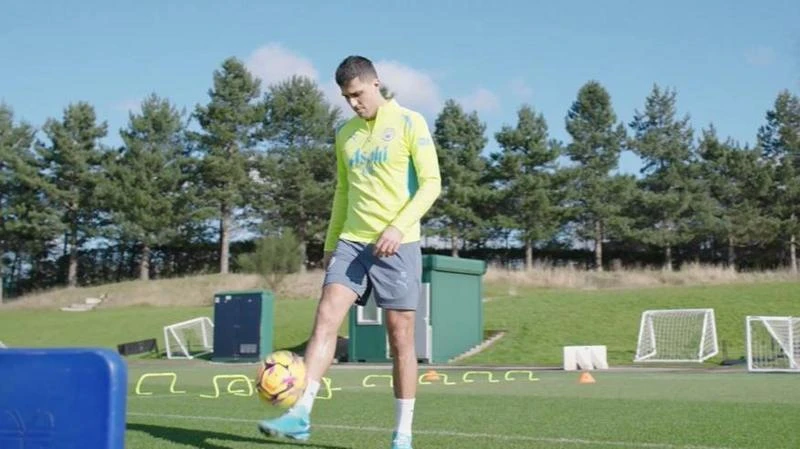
(388, 134)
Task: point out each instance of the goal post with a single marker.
(677, 335)
(773, 343)
(189, 339)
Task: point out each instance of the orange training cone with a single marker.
(431, 375)
(586, 378)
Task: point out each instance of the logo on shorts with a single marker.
(388, 134)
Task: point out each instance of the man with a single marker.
(387, 179)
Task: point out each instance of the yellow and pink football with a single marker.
(281, 378)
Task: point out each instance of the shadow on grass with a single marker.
(201, 439)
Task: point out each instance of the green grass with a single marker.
(109, 327)
(538, 322)
(627, 408)
(638, 409)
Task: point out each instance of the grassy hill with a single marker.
(538, 321)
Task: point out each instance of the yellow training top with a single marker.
(387, 174)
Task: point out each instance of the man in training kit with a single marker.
(387, 179)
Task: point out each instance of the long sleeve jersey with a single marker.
(387, 174)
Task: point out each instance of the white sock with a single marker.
(307, 400)
(404, 415)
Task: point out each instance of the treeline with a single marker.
(178, 194)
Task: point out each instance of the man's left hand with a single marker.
(389, 242)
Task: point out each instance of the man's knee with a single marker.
(333, 306)
(400, 326)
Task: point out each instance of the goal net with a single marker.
(677, 335)
(773, 343)
(189, 339)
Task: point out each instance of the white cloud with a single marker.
(412, 88)
(521, 89)
(273, 63)
(334, 95)
(482, 100)
(760, 56)
(129, 105)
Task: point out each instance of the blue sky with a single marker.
(727, 60)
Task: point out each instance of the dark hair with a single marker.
(354, 67)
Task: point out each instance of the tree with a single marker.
(597, 140)
(73, 170)
(779, 142)
(299, 169)
(737, 184)
(525, 168)
(230, 123)
(26, 221)
(664, 143)
(459, 139)
(274, 257)
(147, 177)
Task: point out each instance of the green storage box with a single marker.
(243, 325)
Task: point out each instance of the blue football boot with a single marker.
(401, 441)
(294, 424)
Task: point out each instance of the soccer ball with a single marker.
(281, 378)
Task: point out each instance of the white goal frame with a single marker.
(206, 333)
(647, 346)
(783, 352)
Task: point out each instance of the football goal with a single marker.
(677, 335)
(773, 343)
(189, 339)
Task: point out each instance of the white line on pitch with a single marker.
(447, 433)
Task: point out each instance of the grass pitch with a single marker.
(706, 408)
(649, 409)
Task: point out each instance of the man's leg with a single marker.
(331, 311)
(397, 283)
(400, 329)
(345, 280)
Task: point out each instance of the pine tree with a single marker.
(779, 143)
(664, 143)
(597, 140)
(525, 168)
(73, 170)
(27, 223)
(737, 184)
(299, 168)
(230, 123)
(146, 192)
(459, 140)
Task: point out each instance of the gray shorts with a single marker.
(393, 281)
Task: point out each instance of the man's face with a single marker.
(363, 96)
